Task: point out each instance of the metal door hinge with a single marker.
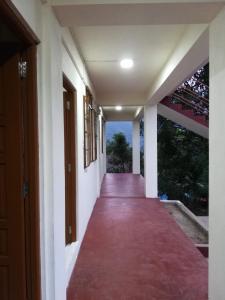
(22, 67)
(25, 189)
(68, 105)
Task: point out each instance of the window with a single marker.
(94, 135)
(90, 132)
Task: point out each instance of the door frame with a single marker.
(71, 215)
(15, 20)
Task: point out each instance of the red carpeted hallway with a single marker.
(134, 250)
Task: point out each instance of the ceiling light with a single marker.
(126, 63)
(118, 107)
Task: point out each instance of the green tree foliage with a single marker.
(183, 155)
(119, 154)
(199, 82)
(195, 92)
(142, 148)
(183, 165)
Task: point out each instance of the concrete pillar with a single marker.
(217, 159)
(136, 147)
(99, 156)
(104, 147)
(150, 151)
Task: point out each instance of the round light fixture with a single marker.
(126, 63)
(118, 107)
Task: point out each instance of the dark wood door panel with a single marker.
(2, 103)
(3, 241)
(2, 137)
(2, 120)
(4, 282)
(12, 248)
(3, 211)
(19, 217)
(70, 161)
(4, 256)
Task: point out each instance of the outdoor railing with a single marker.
(195, 98)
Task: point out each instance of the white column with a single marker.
(217, 159)
(99, 157)
(136, 147)
(104, 148)
(150, 151)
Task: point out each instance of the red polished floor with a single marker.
(122, 185)
(134, 250)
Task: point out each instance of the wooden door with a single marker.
(12, 215)
(19, 186)
(70, 164)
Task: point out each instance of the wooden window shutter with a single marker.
(90, 131)
(87, 133)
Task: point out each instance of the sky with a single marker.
(115, 127)
(125, 128)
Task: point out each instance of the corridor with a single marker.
(133, 250)
(122, 186)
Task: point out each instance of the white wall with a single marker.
(150, 151)
(57, 54)
(31, 12)
(51, 135)
(101, 155)
(86, 197)
(217, 160)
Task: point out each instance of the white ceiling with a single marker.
(137, 13)
(88, 2)
(103, 47)
(128, 113)
(147, 33)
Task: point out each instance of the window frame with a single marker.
(90, 129)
